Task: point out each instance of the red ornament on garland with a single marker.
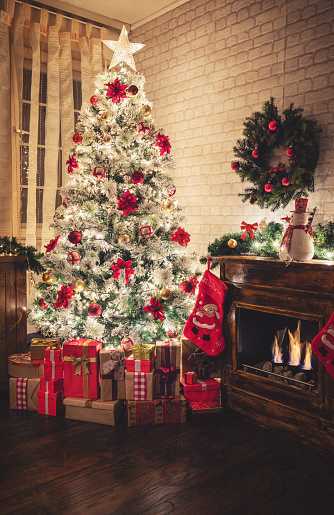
(285, 181)
(133, 90)
(137, 177)
(94, 310)
(116, 91)
(181, 236)
(66, 202)
(94, 100)
(77, 138)
(163, 143)
(42, 304)
(156, 309)
(50, 246)
(268, 188)
(290, 152)
(75, 237)
(172, 334)
(255, 153)
(146, 231)
(99, 172)
(73, 257)
(127, 343)
(72, 163)
(189, 286)
(235, 165)
(127, 204)
(272, 125)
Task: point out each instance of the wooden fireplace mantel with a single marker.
(302, 290)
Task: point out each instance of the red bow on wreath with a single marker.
(277, 169)
(248, 228)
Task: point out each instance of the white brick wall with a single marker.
(208, 65)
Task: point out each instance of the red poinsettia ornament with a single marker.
(163, 143)
(116, 91)
(64, 296)
(127, 204)
(50, 246)
(189, 286)
(122, 265)
(72, 163)
(156, 309)
(181, 236)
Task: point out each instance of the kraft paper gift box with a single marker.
(112, 369)
(168, 358)
(139, 386)
(205, 413)
(50, 403)
(139, 365)
(88, 410)
(21, 365)
(38, 346)
(160, 411)
(53, 370)
(23, 393)
(207, 390)
(52, 386)
(53, 353)
(81, 368)
(145, 351)
(206, 366)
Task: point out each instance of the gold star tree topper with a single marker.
(123, 50)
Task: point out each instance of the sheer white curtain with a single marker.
(48, 63)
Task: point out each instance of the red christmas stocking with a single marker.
(323, 346)
(204, 326)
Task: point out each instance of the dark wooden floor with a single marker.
(53, 465)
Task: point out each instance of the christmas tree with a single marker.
(118, 269)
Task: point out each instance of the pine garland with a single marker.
(32, 263)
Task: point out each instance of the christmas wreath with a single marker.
(275, 186)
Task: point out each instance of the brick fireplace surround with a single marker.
(301, 290)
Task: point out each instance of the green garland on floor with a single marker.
(32, 261)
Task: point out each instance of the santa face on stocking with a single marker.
(206, 318)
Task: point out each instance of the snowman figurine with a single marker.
(297, 244)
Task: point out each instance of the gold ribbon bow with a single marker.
(83, 362)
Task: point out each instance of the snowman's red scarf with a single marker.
(288, 235)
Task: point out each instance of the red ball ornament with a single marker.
(73, 257)
(267, 188)
(99, 172)
(133, 90)
(75, 237)
(272, 125)
(255, 153)
(290, 152)
(285, 181)
(94, 310)
(235, 165)
(137, 177)
(171, 190)
(127, 343)
(94, 100)
(172, 334)
(77, 138)
(42, 304)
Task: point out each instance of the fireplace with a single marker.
(267, 300)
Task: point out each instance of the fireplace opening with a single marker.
(278, 347)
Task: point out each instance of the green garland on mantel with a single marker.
(33, 257)
(267, 243)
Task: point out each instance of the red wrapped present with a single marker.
(23, 393)
(168, 361)
(168, 410)
(53, 386)
(190, 377)
(53, 370)
(139, 365)
(81, 368)
(53, 354)
(207, 390)
(21, 365)
(205, 413)
(50, 403)
(112, 368)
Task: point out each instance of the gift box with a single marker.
(38, 346)
(53, 370)
(204, 365)
(139, 386)
(53, 386)
(81, 368)
(145, 351)
(205, 413)
(190, 377)
(207, 390)
(23, 393)
(21, 365)
(53, 353)
(139, 365)
(171, 410)
(50, 403)
(112, 368)
(167, 381)
(97, 411)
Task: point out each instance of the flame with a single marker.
(308, 356)
(276, 351)
(295, 346)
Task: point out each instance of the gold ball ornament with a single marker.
(78, 285)
(47, 278)
(165, 293)
(107, 138)
(104, 116)
(232, 243)
(146, 110)
(123, 238)
(168, 205)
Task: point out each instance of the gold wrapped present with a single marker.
(145, 351)
(38, 346)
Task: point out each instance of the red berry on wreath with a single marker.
(235, 165)
(272, 125)
(255, 153)
(77, 138)
(75, 237)
(94, 310)
(267, 188)
(42, 304)
(137, 177)
(285, 181)
(290, 152)
(94, 100)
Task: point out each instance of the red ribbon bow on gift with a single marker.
(168, 372)
(201, 406)
(248, 228)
